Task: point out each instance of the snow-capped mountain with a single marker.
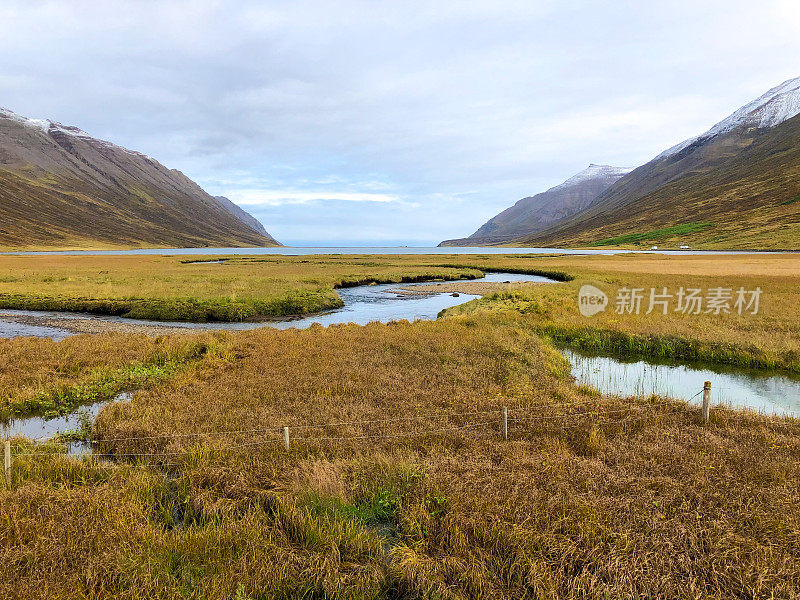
(773, 108)
(535, 213)
(61, 186)
(49, 127)
(734, 186)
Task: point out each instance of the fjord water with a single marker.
(762, 391)
(410, 250)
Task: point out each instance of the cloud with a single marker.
(402, 120)
(256, 197)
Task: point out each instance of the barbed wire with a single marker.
(620, 421)
(398, 435)
(574, 420)
(516, 421)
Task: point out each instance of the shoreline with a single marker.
(87, 323)
(475, 288)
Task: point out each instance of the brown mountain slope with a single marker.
(244, 216)
(739, 190)
(59, 187)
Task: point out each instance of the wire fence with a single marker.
(522, 421)
(518, 418)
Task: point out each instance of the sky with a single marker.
(391, 123)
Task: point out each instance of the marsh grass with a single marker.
(636, 504)
(604, 498)
(767, 340)
(168, 288)
(46, 378)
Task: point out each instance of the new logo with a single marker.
(591, 300)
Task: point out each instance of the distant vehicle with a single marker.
(684, 247)
(654, 248)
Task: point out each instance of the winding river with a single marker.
(765, 392)
(362, 304)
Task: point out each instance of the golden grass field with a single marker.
(770, 338)
(590, 497)
(170, 288)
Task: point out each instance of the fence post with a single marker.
(505, 422)
(706, 400)
(7, 462)
(286, 437)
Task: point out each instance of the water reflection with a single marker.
(362, 304)
(765, 392)
(11, 329)
(39, 428)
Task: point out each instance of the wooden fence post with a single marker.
(286, 437)
(505, 422)
(7, 462)
(706, 400)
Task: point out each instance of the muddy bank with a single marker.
(77, 325)
(474, 288)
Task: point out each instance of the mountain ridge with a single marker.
(772, 108)
(534, 213)
(737, 185)
(244, 216)
(741, 178)
(61, 187)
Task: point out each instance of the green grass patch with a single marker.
(608, 341)
(103, 384)
(367, 513)
(377, 494)
(298, 302)
(791, 200)
(655, 234)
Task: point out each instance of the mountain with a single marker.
(735, 186)
(244, 216)
(536, 213)
(60, 187)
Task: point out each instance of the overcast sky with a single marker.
(396, 122)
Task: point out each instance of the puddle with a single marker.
(40, 429)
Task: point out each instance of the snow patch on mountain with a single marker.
(773, 108)
(593, 172)
(44, 125)
(48, 127)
